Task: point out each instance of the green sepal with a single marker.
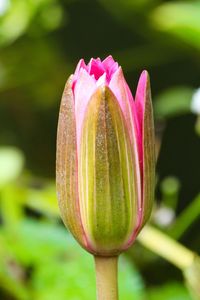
(107, 175)
(148, 155)
(66, 166)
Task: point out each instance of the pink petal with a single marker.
(108, 62)
(139, 112)
(122, 92)
(96, 68)
(144, 114)
(81, 64)
(83, 90)
(140, 98)
(124, 96)
(110, 66)
(102, 80)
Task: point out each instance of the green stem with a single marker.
(186, 218)
(106, 277)
(166, 247)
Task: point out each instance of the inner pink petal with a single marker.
(102, 80)
(83, 90)
(108, 61)
(80, 65)
(110, 66)
(96, 68)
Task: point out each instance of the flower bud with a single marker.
(105, 157)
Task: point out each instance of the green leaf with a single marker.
(15, 21)
(170, 291)
(172, 102)
(180, 19)
(60, 268)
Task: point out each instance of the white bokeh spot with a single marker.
(195, 103)
(4, 5)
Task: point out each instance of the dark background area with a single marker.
(40, 45)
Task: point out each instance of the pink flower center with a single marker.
(97, 69)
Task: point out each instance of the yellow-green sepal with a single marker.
(107, 175)
(67, 166)
(148, 154)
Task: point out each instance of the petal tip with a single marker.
(144, 76)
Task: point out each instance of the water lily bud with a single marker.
(105, 157)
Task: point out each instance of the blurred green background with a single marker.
(41, 42)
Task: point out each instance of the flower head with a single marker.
(105, 157)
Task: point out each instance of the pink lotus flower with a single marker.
(105, 157)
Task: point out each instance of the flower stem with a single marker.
(106, 277)
(166, 247)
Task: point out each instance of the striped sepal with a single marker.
(107, 183)
(148, 154)
(66, 166)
